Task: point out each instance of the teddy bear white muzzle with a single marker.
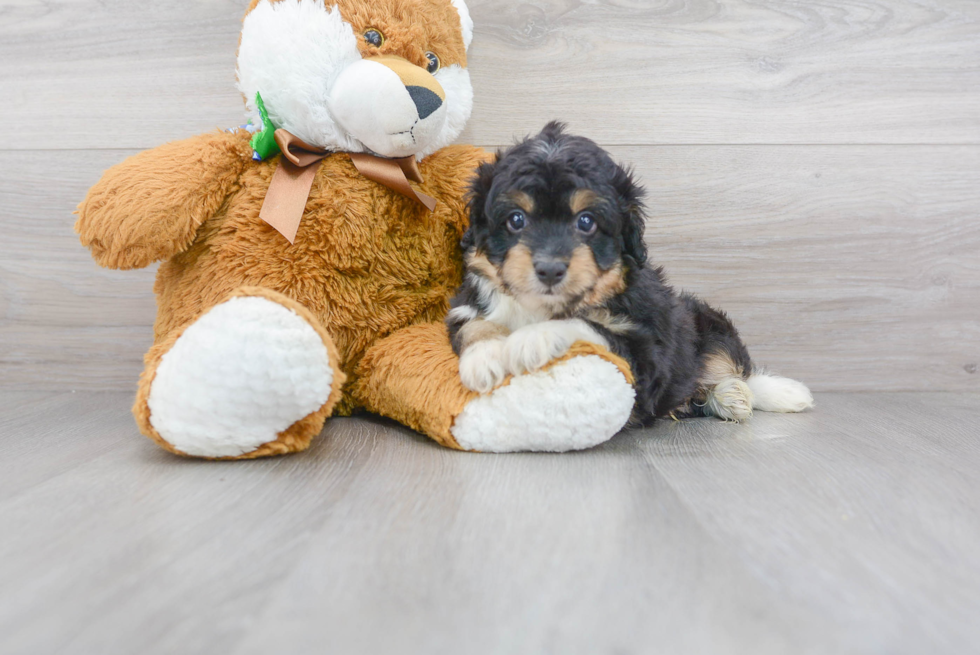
(393, 107)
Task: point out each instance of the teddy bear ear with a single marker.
(466, 21)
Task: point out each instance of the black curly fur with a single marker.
(670, 333)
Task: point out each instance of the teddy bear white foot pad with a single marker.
(244, 372)
(577, 404)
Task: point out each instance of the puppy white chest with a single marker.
(512, 314)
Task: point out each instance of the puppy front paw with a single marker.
(533, 346)
(482, 365)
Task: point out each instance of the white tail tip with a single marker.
(771, 393)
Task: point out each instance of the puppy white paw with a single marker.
(730, 400)
(533, 346)
(482, 365)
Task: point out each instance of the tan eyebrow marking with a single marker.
(581, 200)
(523, 201)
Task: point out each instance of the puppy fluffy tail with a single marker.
(772, 393)
(731, 392)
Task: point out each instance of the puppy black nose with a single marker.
(426, 101)
(551, 273)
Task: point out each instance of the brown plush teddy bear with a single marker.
(313, 283)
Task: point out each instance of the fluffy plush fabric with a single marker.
(307, 58)
(236, 354)
(292, 52)
(572, 404)
(366, 261)
(465, 21)
(151, 206)
(238, 377)
(413, 377)
(456, 81)
(237, 408)
(371, 101)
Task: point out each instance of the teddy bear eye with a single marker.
(433, 62)
(374, 37)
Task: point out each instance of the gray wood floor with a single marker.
(851, 529)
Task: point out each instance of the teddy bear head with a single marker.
(386, 77)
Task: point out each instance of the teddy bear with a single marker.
(308, 258)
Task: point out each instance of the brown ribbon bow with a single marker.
(291, 183)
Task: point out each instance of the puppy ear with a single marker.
(478, 195)
(631, 195)
(634, 243)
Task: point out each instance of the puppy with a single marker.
(555, 254)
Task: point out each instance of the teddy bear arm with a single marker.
(412, 377)
(578, 401)
(149, 207)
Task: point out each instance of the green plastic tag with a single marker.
(264, 142)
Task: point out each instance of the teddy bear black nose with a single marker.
(425, 100)
(551, 273)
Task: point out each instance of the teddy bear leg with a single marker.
(255, 375)
(576, 402)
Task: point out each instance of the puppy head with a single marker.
(555, 221)
(382, 76)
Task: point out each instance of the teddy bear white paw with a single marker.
(482, 365)
(575, 404)
(533, 346)
(240, 375)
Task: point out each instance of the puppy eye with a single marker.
(374, 37)
(433, 62)
(516, 222)
(586, 224)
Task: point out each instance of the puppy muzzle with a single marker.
(392, 106)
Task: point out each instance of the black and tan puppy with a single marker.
(555, 254)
